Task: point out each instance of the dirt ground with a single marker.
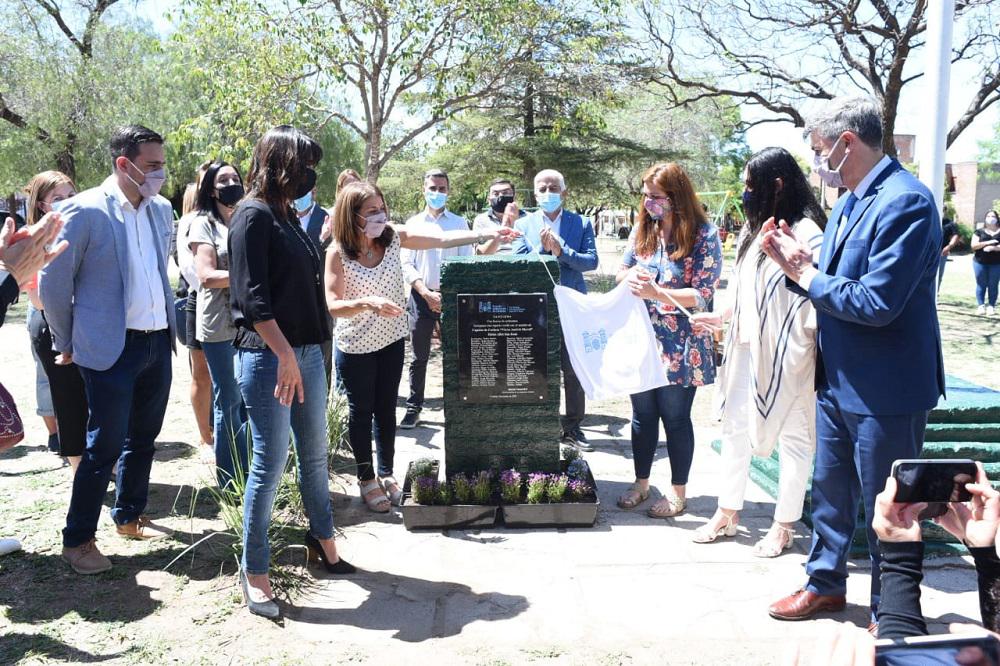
(164, 603)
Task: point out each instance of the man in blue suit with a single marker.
(879, 366)
(108, 304)
(567, 237)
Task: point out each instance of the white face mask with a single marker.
(152, 183)
(821, 166)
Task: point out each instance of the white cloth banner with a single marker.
(610, 341)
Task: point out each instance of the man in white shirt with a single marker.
(422, 270)
(108, 305)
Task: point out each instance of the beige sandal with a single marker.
(667, 507)
(705, 534)
(393, 490)
(378, 503)
(633, 497)
(770, 546)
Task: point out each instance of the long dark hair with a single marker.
(278, 166)
(792, 202)
(206, 204)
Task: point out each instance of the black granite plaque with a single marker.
(502, 344)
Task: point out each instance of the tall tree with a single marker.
(780, 54)
(67, 53)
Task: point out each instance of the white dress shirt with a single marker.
(426, 264)
(145, 306)
(556, 224)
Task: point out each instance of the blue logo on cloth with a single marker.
(595, 341)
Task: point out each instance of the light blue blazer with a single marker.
(579, 250)
(875, 299)
(83, 289)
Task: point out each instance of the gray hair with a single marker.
(860, 115)
(552, 173)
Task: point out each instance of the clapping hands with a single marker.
(781, 245)
(551, 242)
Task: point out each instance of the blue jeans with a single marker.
(270, 424)
(231, 449)
(127, 403)
(987, 279)
(371, 383)
(671, 405)
(854, 455)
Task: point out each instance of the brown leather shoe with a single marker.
(143, 528)
(86, 559)
(804, 604)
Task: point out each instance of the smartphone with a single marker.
(933, 480)
(942, 649)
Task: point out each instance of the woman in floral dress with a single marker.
(673, 261)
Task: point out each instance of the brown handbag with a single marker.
(11, 426)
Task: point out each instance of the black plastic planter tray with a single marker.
(563, 514)
(437, 517)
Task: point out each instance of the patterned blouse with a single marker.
(687, 358)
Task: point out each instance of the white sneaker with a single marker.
(981, 309)
(990, 311)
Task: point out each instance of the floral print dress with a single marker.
(688, 359)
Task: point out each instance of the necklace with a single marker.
(310, 249)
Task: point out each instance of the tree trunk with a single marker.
(528, 127)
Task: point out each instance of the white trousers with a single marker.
(796, 446)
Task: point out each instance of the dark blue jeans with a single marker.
(230, 436)
(371, 383)
(127, 403)
(672, 406)
(987, 280)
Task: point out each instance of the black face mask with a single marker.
(230, 194)
(499, 204)
(306, 185)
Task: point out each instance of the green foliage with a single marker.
(537, 484)
(482, 488)
(461, 489)
(556, 488)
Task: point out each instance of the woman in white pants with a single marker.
(766, 382)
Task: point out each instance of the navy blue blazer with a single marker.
(579, 249)
(875, 299)
(315, 226)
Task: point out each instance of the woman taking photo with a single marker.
(986, 263)
(365, 293)
(766, 389)
(67, 406)
(673, 261)
(220, 190)
(276, 291)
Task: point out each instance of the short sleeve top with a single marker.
(688, 359)
(214, 319)
(368, 331)
(982, 256)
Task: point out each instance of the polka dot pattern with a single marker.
(368, 331)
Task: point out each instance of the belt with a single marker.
(137, 331)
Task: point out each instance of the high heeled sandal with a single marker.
(392, 489)
(767, 547)
(633, 497)
(378, 503)
(705, 534)
(667, 507)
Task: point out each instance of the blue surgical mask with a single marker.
(435, 200)
(303, 203)
(550, 202)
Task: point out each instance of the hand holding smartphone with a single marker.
(935, 481)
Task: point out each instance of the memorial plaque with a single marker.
(502, 346)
